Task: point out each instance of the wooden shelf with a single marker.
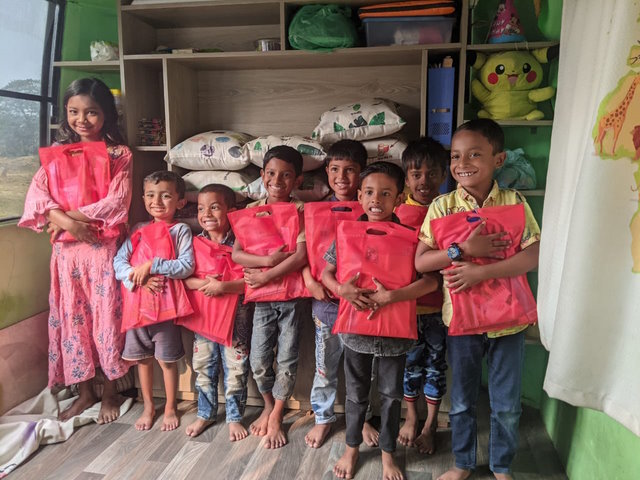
(199, 14)
(522, 123)
(501, 47)
(151, 148)
(88, 65)
(283, 59)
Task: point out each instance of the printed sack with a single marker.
(363, 120)
(311, 151)
(413, 216)
(213, 317)
(214, 150)
(492, 304)
(387, 149)
(142, 308)
(386, 251)
(320, 221)
(236, 181)
(261, 231)
(78, 174)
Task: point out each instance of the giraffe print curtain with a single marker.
(589, 274)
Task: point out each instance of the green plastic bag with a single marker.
(516, 172)
(323, 28)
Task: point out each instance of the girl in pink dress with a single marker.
(84, 301)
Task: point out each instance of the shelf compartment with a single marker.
(229, 26)
(88, 65)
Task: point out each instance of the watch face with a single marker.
(453, 252)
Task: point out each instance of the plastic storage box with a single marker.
(408, 30)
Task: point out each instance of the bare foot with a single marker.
(276, 437)
(370, 435)
(317, 435)
(170, 421)
(426, 441)
(346, 466)
(455, 473)
(146, 419)
(390, 469)
(237, 432)
(77, 407)
(259, 427)
(110, 408)
(502, 476)
(407, 433)
(197, 427)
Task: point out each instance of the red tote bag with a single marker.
(142, 308)
(78, 174)
(261, 231)
(413, 216)
(492, 304)
(386, 251)
(320, 220)
(213, 317)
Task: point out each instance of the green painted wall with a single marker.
(86, 21)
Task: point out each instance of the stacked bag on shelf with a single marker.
(234, 159)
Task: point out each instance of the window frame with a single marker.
(49, 79)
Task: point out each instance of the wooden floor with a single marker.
(118, 451)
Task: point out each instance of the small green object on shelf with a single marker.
(322, 28)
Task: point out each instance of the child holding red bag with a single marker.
(163, 196)
(424, 162)
(380, 192)
(214, 202)
(275, 322)
(476, 152)
(84, 301)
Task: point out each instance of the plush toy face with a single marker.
(511, 71)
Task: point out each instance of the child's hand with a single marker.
(53, 229)
(255, 278)
(462, 276)
(380, 297)
(317, 291)
(489, 245)
(277, 257)
(356, 296)
(154, 284)
(213, 286)
(83, 231)
(140, 274)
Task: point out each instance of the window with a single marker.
(29, 30)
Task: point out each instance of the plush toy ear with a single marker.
(476, 59)
(544, 55)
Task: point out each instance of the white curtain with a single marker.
(588, 294)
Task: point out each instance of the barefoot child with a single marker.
(163, 195)
(344, 161)
(424, 163)
(380, 192)
(214, 201)
(476, 151)
(275, 322)
(80, 312)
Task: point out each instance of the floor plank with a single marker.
(118, 451)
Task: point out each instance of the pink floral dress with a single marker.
(84, 301)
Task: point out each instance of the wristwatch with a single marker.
(454, 252)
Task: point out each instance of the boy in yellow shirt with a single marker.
(476, 152)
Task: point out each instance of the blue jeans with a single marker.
(207, 357)
(276, 324)
(426, 362)
(329, 350)
(505, 357)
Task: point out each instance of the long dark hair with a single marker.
(100, 93)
